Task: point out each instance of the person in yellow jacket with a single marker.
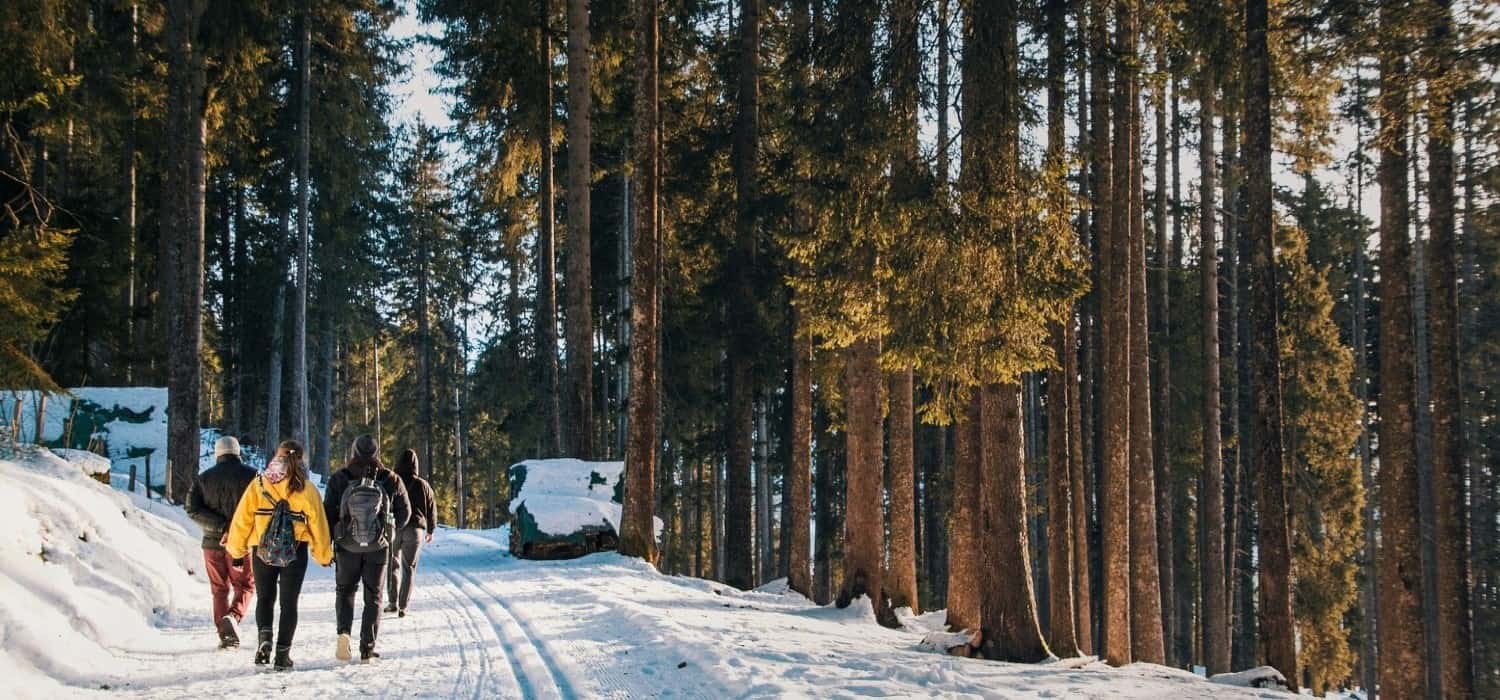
(284, 479)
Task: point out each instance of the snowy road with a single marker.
(484, 625)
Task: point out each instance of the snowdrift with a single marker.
(83, 571)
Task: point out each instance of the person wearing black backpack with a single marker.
(366, 504)
(279, 524)
(407, 547)
(211, 502)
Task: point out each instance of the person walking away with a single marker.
(279, 524)
(212, 500)
(407, 547)
(367, 505)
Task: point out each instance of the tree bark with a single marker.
(182, 235)
(1007, 605)
(424, 353)
(546, 245)
(864, 517)
(1162, 382)
(1403, 660)
(741, 313)
(1114, 235)
(1455, 646)
(901, 584)
(297, 406)
(798, 488)
(638, 528)
(1267, 459)
(963, 543)
(1211, 511)
(1060, 404)
(580, 329)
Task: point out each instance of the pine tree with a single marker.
(580, 320)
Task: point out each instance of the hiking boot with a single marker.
(228, 637)
(401, 613)
(390, 608)
(263, 648)
(367, 655)
(283, 658)
(341, 648)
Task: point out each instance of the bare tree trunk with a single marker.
(1162, 382)
(182, 237)
(1145, 596)
(741, 312)
(638, 530)
(322, 453)
(901, 584)
(1211, 512)
(1368, 666)
(864, 516)
(764, 570)
(546, 246)
(1114, 234)
(580, 256)
(1060, 405)
(963, 542)
(798, 489)
(1455, 646)
(1278, 628)
(1403, 662)
(297, 406)
(1007, 605)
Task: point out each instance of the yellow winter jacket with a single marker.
(310, 524)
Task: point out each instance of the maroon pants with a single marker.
(232, 586)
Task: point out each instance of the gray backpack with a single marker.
(365, 517)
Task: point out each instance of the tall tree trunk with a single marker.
(763, 550)
(1114, 234)
(1267, 459)
(322, 452)
(580, 330)
(182, 235)
(1211, 513)
(741, 313)
(1007, 605)
(1162, 382)
(273, 373)
(864, 517)
(905, 74)
(826, 525)
(638, 529)
(297, 406)
(1060, 406)
(1455, 655)
(546, 243)
(1145, 595)
(1403, 662)
(798, 487)
(424, 354)
(963, 542)
(1368, 666)
(1081, 378)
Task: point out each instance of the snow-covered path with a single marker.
(484, 625)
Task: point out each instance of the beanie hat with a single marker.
(364, 446)
(226, 445)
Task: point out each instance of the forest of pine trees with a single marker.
(1162, 332)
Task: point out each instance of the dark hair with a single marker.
(296, 464)
(406, 464)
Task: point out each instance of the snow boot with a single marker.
(228, 637)
(402, 613)
(263, 648)
(367, 655)
(341, 649)
(390, 608)
(283, 658)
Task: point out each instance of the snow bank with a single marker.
(83, 571)
(568, 495)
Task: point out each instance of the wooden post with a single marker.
(148, 477)
(15, 421)
(132, 478)
(41, 416)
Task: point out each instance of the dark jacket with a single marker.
(423, 505)
(357, 469)
(214, 496)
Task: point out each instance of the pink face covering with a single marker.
(276, 470)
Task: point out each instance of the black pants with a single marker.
(405, 551)
(356, 569)
(284, 582)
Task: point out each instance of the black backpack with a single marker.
(278, 544)
(365, 517)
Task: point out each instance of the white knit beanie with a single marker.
(226, 445)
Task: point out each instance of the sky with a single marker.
(419, 96)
